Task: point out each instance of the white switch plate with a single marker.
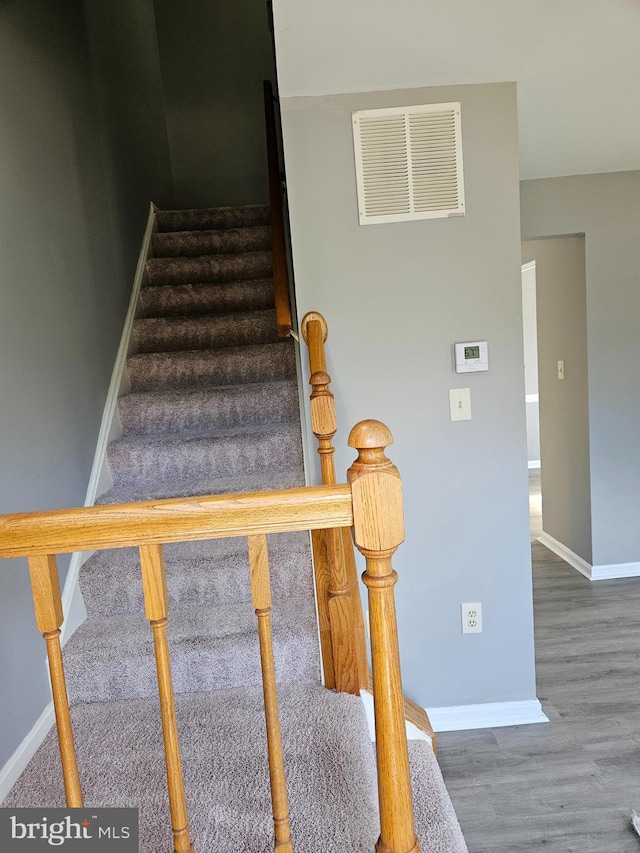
(460, 404)
(471, 618)
(561, 368)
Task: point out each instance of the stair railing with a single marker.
(371, 503)
(280, 271)
(341, 624)
(342, 633)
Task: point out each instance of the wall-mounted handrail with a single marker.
(342, 636)
(280, 271)
(371, 503)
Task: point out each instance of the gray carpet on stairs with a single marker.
(213, 409)
(329, 763)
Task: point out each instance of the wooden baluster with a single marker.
(261, 592)
(156, 600)
(378, 530)
(47, 602)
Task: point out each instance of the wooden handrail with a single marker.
(280, 271)
(174, 520)
(371, 503)
(341, 623)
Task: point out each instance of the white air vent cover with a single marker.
(408, 163)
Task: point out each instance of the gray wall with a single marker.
(564, 404)
(71, 221)
(606, 209)
(396, 297)
(214, 57)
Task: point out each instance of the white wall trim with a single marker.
(534, 463)
(490, 715)
(615, 570)
(15, 766)
(612, 571)
(565, 554)
(532, 398)
(531, 265)
(72, 603)
(413, 732)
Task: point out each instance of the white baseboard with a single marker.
(611, 571)
(534, 463)
(615, 570)
(99, 480)
(72, 603)
(490, 715)
(14, 767)
(413, 732)
(565, 554)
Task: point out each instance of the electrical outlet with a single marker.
(471, 618)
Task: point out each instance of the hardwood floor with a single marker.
(568, 785)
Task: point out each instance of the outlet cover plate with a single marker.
(471, 617)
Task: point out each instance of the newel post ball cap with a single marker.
(370, 434)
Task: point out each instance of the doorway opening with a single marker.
(532, 395)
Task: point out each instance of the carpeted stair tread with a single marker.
(227, 406)
(229, 267)
(329, 767)
(167, 334)
(213, 218)
(230, 366)
(210, 485)
(212, 648)
(175, 300)
(226, 240)
(111, 583)
(231, 452)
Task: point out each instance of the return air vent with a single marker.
(408, 163)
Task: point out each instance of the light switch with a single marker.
(460, 404)
(561, 368)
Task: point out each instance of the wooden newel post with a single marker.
(323, 422)
(47, 602)
(378, 530)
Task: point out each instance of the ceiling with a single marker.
(576, 63)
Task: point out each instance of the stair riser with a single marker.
(163, 371)
(196, 243)
(225, 408)
(167, 334)
(203, 457)
(117, 590)
(197, 663)
(162, 271)
(210, 219)
(175, 300)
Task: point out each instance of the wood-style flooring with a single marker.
(567, 786)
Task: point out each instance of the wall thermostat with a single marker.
(472, 357)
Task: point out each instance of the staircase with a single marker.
(213, 409)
